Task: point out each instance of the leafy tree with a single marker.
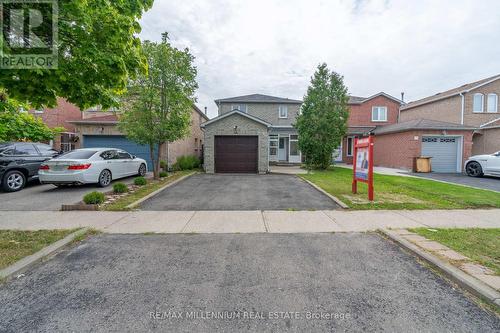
(323, 119)
(21, 126)
(158, 105)
(98, 50)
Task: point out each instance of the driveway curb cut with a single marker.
(31, 260)
(152, 194)
(466, 281)
(335, 199)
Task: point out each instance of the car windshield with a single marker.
(4, 147)
(77, 154)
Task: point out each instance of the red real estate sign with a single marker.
(362, 170)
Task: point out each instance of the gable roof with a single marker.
(258, 98)
(360, 100)
(452, 92)
(225, 115)
(200, 112)
(420, 124)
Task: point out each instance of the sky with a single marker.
(419, 47)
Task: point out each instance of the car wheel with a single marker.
(474, 169)
(13, 181)
(142, 170)
(104, 178)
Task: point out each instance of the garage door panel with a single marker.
(238, 154)
(444, 152)
(119, 142)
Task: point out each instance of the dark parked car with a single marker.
(19, 163)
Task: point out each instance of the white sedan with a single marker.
(91, 165)
(479, 165)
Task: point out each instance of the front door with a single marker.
(283, 149)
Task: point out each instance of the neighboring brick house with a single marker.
(98, 128)
(366, 114)
(60, 117)
(474, 104)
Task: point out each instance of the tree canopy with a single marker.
(158, 104)
(21, 126)
(98, 51)
(323, 119)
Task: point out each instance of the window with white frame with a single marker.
(239, 107)
(379, 113)
(350, 145)
(273, 145)
(294, 145)
(492, 103)
(478, 103)
(283, 111)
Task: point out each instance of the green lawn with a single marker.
(480, 245)
(15, 244)
(150, 187)
(397, 192)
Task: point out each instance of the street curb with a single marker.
(335, 199)
(463, 279)
(27, 262)
(152, 194)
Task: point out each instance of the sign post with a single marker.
(362, 170)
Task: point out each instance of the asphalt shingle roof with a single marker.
(420, 124)
(449, 93)
(258, 98)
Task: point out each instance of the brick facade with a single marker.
(266, 111)
(398, 150)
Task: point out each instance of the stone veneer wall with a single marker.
(246, 127)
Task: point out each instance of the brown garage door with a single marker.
(237, 154)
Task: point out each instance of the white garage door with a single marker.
(444, 151)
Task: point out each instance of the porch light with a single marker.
(235, 129)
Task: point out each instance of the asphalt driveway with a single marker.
(240, 192)
(486, 182)
(49, 197)
(179, 283)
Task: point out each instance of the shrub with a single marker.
(187, 162)
(163, 165)
(94, 198)
(140, 181)
(120, 188)
(163, 174)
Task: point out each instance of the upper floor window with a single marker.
(492, 103)
(379, 113)
(239, 107)
(39, 111)
(283, 111)
(478, 103)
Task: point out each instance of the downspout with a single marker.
(463, 108)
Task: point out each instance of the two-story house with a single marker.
(253, 131)
(250, 132)
(365, 115)
(474, 104)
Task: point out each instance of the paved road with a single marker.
(49, 197)
(240, 192)
(488, 183)
(115, 283)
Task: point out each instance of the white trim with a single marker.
(379, 107)
(488, 102)
(407, 106)
(381, 94)
(473, 102)
(463, 108)
(489, 122)
(296, 158)
(283, 107)
(234, 112)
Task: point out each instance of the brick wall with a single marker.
(486, 142)
(398, 150)
(192, 144)
(266, 111)
(361, 114)
(448, 110)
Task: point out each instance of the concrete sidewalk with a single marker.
(248, 221)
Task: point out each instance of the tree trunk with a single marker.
(155, 161)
